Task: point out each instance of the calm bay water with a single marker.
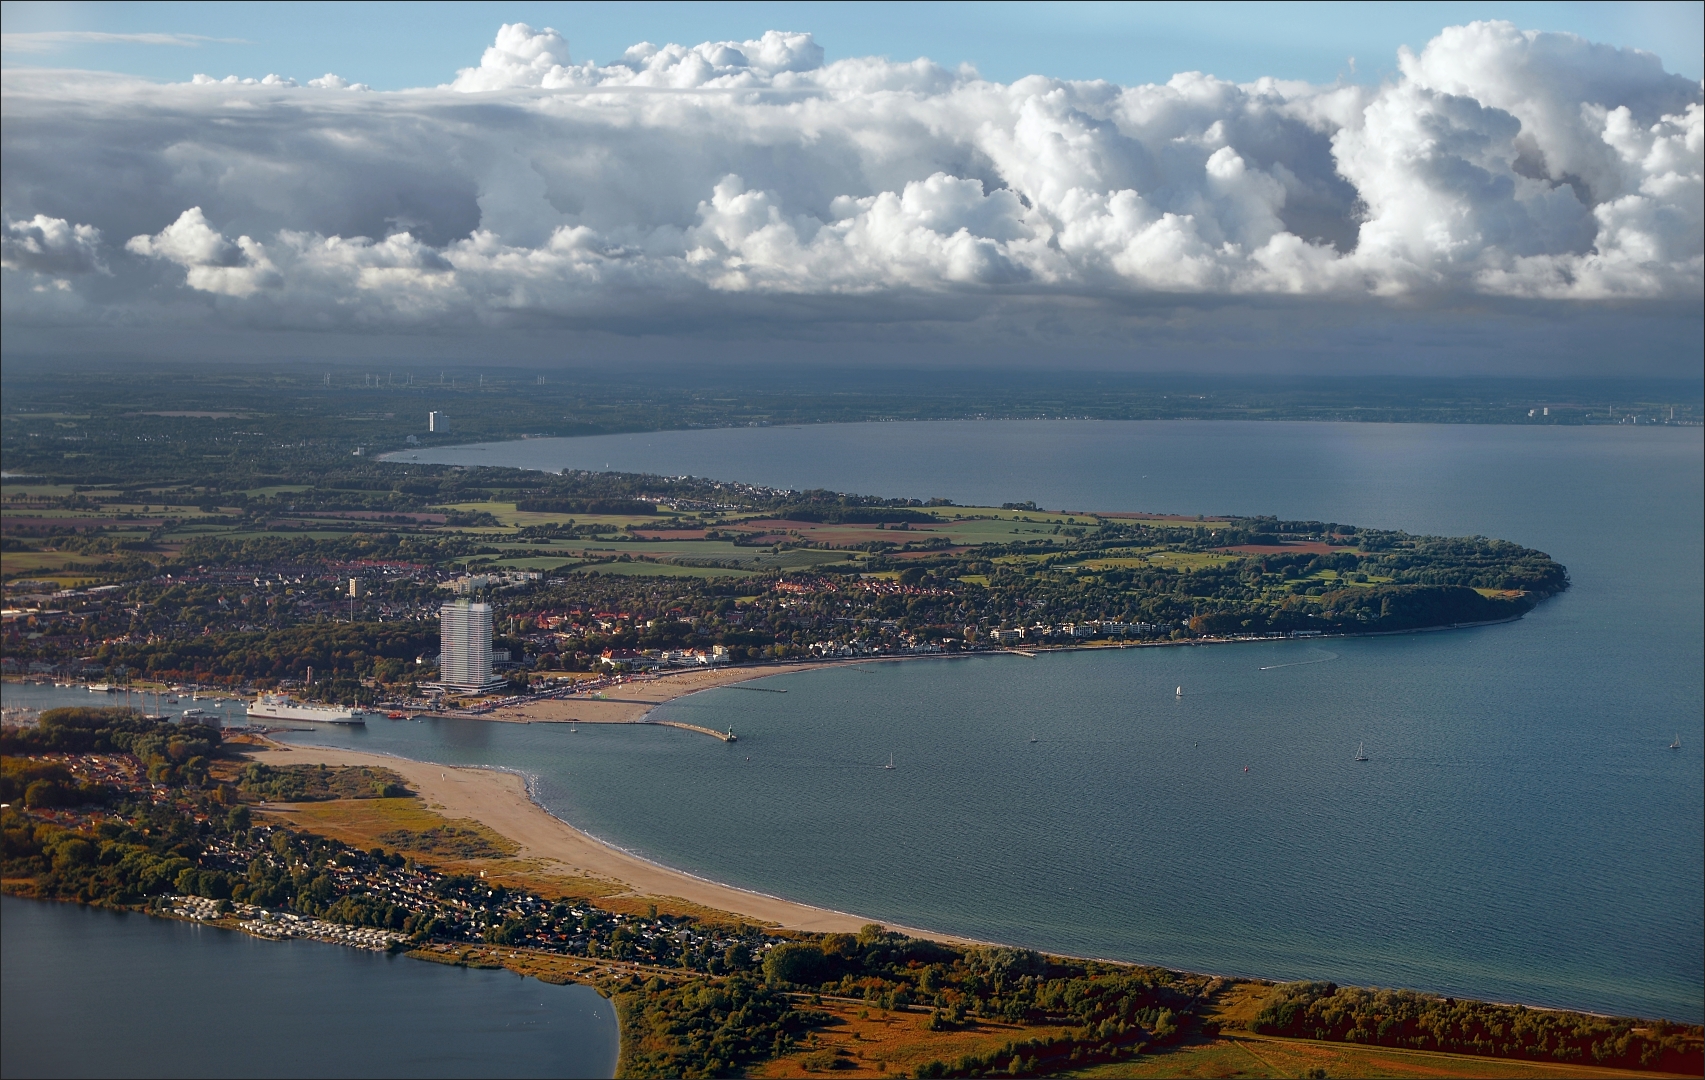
(173, 999)
(1521, 832)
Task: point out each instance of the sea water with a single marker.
(100, 993)
(1520, 832)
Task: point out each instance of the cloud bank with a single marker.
(742, 177)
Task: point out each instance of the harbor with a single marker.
(25, 698)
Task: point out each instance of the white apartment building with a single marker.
(464, 659)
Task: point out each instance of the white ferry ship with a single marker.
(280, 707)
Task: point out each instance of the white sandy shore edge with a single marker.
(630, 702)
(500, 800)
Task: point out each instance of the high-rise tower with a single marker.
(464, 660)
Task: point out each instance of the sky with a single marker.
(1128, 44)
(1451, 188)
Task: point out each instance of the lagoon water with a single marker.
(174, 999)
(1520, 833)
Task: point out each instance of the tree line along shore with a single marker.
(108, 807)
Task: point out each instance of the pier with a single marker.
(725, 736)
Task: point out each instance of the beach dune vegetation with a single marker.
(316, 783)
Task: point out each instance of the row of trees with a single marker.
(1404, 1018)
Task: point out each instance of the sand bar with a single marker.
(500, 801)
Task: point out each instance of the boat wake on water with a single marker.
(1302, 663)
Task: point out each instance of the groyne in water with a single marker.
(725, 736)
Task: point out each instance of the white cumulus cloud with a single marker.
(523, 58)
(1498, 162)
(331, 81)
(50, 246)
(212, 263)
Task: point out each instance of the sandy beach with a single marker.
(630, 701)
(499, 800)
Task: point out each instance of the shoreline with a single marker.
(536, 712)
(503, 800)
(637, 698)
(608, 977)
(712, 678)
(651, 879)
(500, 798)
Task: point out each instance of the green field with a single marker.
(54, 566)
(512, 518)
(673, 570)
(277, 489)
(542, 563)
(686, 552)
